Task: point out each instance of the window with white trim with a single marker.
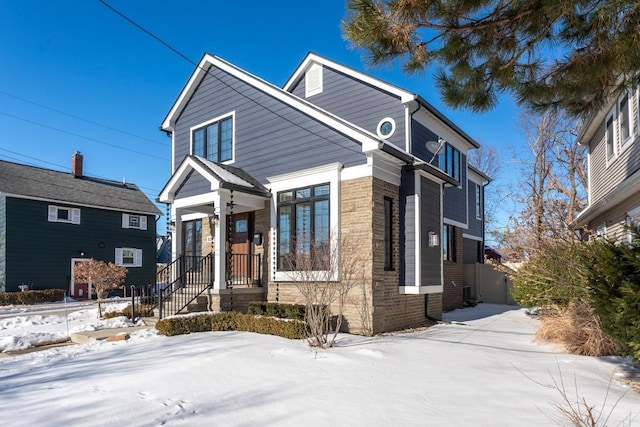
(64, 214)
(624, 119)
(129, 257)
(478, 201)
(214, 140)
(134, 221)
(610, 135)
(303, 227)
(601, 231)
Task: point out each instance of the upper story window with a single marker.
(478, 201)
(64, 214)
(626, 120)
(610, 136)
(214, 140)
(303, 228)
(450, 161)
(134, 221)
(386, 127)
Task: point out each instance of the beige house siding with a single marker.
(615, 219)
(604, 178)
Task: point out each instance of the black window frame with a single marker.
(449, 243)
(205, 145)
(292, 203)
(388, 234)
(450, 161)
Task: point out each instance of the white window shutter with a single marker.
(137, 258)
(53, 213)
(143, 222)
(75, 216)
(125, 220)
(119, 256)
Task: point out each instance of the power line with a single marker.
(81, 136)
(186, 58)
(81, 118)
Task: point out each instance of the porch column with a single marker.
(176, 235)
(220, 239)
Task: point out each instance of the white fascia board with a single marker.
(417, 185)
(312, 58)
(432, 122)
(348, 129)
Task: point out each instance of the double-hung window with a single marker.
(129, 257)
(303, 228)
(478, 201)
(134, 221)
(64, 214)
(450, 161)
(214, 141)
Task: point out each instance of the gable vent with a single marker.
(313, 80)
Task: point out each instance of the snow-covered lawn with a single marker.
(481, 367)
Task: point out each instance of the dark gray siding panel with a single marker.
(475, 225)
(472, 251)
(430, 262)
(3, 243)
(407, 229)
(39, 252)
(271, 138)
(455, 198)
(357, 102)
(419, 137)
(195, 184)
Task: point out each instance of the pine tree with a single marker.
(566, 54)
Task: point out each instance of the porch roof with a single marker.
(219, 175)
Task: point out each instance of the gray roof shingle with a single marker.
(39, 183)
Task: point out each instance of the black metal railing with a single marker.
(245, 270)
(184, 283)
(180, 283)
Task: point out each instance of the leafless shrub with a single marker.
(577, 328)
(103, 276)
(325, 275)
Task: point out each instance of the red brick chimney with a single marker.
(76, 164)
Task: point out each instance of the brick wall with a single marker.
(454, 272)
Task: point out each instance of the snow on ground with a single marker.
(481, 367)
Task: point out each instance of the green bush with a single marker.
(274, 309)
(553, 277)
(31, 297)
(613, 277)
(231, 321)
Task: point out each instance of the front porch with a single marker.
(217, 251)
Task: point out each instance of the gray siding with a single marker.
(472, 251)
(475, 225)
(455, 198)
(430, 262)
(407, 229)
(419, 137)
(194, 184)
(357, 102)
(271, 138)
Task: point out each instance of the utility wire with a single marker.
(81, 136)
(186, 58)
(82, 118)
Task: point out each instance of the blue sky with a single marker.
(75, 76)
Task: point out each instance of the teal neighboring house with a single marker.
(52, 220)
